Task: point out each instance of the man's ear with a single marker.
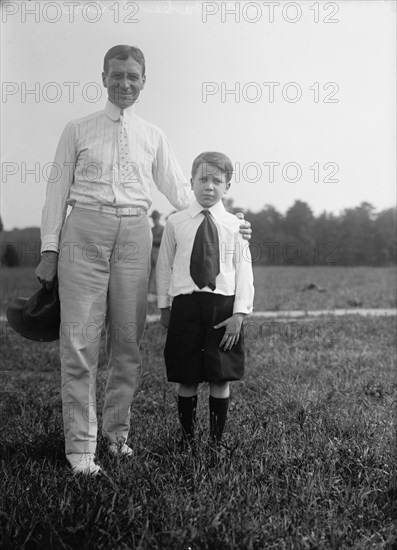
(191, 183)
(104, 79)
(143, 82)
(227, 187)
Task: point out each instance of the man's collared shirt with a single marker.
(173, 264)
(86, 169)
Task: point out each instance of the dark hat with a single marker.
(155, 214)
(38, 317)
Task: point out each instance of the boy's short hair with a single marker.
(124, 52)
(218, 160)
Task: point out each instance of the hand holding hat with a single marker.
(38, 317)
(46, 271)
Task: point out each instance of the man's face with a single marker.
(209, 185)
(124, 81)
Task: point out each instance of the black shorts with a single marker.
(192, 353)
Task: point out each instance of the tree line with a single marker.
(356, 236)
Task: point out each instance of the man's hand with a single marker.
(245, 228)
(232, 332)
(165, 317)
(46, 271)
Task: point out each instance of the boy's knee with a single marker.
(219, 390)
(187, 390)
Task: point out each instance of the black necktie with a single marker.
(204, 261)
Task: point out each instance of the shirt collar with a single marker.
(217, 210)
(113, 112)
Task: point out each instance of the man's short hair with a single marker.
(218, 160)
(124, 52)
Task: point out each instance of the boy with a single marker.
(205, 267)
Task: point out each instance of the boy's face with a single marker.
(209, 185)
(124, 81)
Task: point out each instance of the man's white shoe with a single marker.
(83, 463)
(120, 450)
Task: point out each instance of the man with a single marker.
(104, 167)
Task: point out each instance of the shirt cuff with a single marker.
(163, 302)
(50, 243)
(241, 306)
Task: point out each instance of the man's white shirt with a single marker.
(173, 264)
(86, 169)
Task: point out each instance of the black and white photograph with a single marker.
(198, 275)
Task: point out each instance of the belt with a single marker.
(118, 211)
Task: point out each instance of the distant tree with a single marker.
(27, 243)
(299, 221)
(299, 229)
(326, 228)
(385, 237)
(357, 235)
(10, 256)
(326, 234)
(267, 236)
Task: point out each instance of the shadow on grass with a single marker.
(39, 447)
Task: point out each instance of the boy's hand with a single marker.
(165, 317)
(245, 228)
(232, 332)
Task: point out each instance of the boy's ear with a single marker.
(191, 183)
(227, 187)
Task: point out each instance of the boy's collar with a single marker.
(113, 112)
(217, 210)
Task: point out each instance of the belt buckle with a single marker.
(124, 211)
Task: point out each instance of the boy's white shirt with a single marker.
(173, 264)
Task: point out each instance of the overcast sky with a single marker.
(300, 95)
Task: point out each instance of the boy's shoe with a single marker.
(83, 463)
(120, 450)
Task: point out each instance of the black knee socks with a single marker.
(218, 413)
(187, 415)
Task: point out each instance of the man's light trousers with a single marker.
(103, 274)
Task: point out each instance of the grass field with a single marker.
(276, 288)
(310, 444)
(280, 288)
